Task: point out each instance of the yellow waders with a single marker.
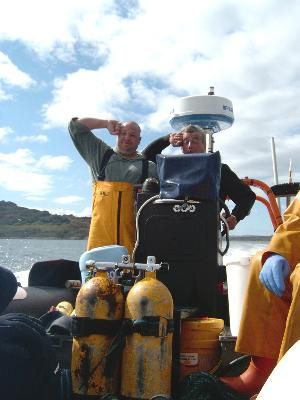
(270, 324)
(113, 217)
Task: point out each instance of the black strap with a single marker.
(145, 168)
(106, 157)
(104, 162)
(151, 326)
(146, 326)
(84, 326)
(56, 323)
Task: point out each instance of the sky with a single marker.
(133, 60)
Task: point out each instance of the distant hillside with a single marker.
(20, 222)
(250, 238)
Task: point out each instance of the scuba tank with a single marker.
(147, 356)
(98, 316)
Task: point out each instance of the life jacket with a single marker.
(113, 211)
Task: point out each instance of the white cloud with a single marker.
(184, 56)
(33, 139)
(68, 199)
(52, 28)
(239, 50)
(54, 162)
(20, 158)
(4, 95)
(185, 52)
(21, 171)
(32, 184)
(85, 93)
(11, 75)
(4, 133)
(86, 212)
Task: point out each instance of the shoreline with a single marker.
(250, 238)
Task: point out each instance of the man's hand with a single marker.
(114, 127)
(176, 139)
(231, 221)
(274, 271)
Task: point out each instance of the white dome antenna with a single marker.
(208, 111)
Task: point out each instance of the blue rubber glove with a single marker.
(274, 271)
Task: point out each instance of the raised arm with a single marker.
(111, 125)
(156, 147)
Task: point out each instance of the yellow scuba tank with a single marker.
(98, 315)
(147, 356)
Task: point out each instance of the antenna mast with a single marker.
(275, 173)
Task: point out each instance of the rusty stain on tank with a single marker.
(84, 366)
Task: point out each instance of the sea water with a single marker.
(20, 254)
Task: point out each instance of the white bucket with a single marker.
(237, 279)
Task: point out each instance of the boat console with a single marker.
(182, 230)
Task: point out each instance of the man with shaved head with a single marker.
(114, 172)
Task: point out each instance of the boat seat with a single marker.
(53, 273)
(39, 299)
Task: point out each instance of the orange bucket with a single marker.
(199, 345)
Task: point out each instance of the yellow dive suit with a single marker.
(270, 325)
(113, 219)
